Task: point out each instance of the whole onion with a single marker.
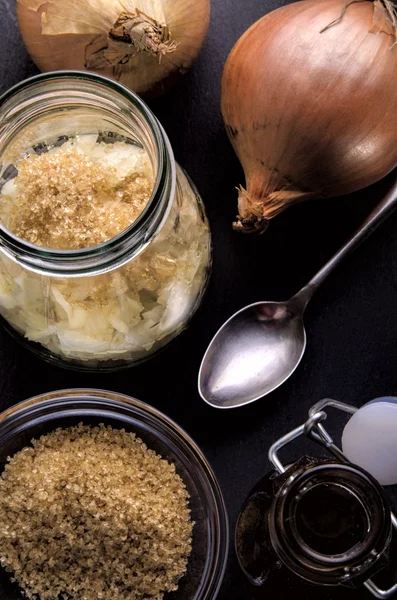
(143, 44)
(309, 100)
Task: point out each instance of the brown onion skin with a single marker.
(310, 114)
(71, 56)
(69, 51)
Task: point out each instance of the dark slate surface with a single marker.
(351, 322)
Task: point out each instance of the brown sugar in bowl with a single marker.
(42, 415)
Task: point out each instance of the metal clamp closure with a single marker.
(314, 429)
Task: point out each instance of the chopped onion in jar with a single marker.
(125, 314)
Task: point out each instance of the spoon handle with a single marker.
(376, 217)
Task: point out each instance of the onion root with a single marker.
(256, 210)
(132, 33)
(250, 217)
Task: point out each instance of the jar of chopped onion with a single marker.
(104, 242)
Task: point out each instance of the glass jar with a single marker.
(116, 303)
(324, 521)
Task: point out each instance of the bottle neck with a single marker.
(329, 522)
(70, 103)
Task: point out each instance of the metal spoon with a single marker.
(261, 345)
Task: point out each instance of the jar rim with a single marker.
(119, 249)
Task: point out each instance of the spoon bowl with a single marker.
(254, 352)
(261, 345)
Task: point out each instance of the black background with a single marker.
(351, 322)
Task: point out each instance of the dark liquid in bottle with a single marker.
(327, 523)
(330, 519)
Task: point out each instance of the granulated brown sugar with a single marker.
(68, 198)
(93, 514)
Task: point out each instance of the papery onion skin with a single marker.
(60, 36)
(310, 114)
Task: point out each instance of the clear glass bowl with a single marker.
(42, 414)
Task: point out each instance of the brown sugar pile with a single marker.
(93, 514)
(67, 201)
